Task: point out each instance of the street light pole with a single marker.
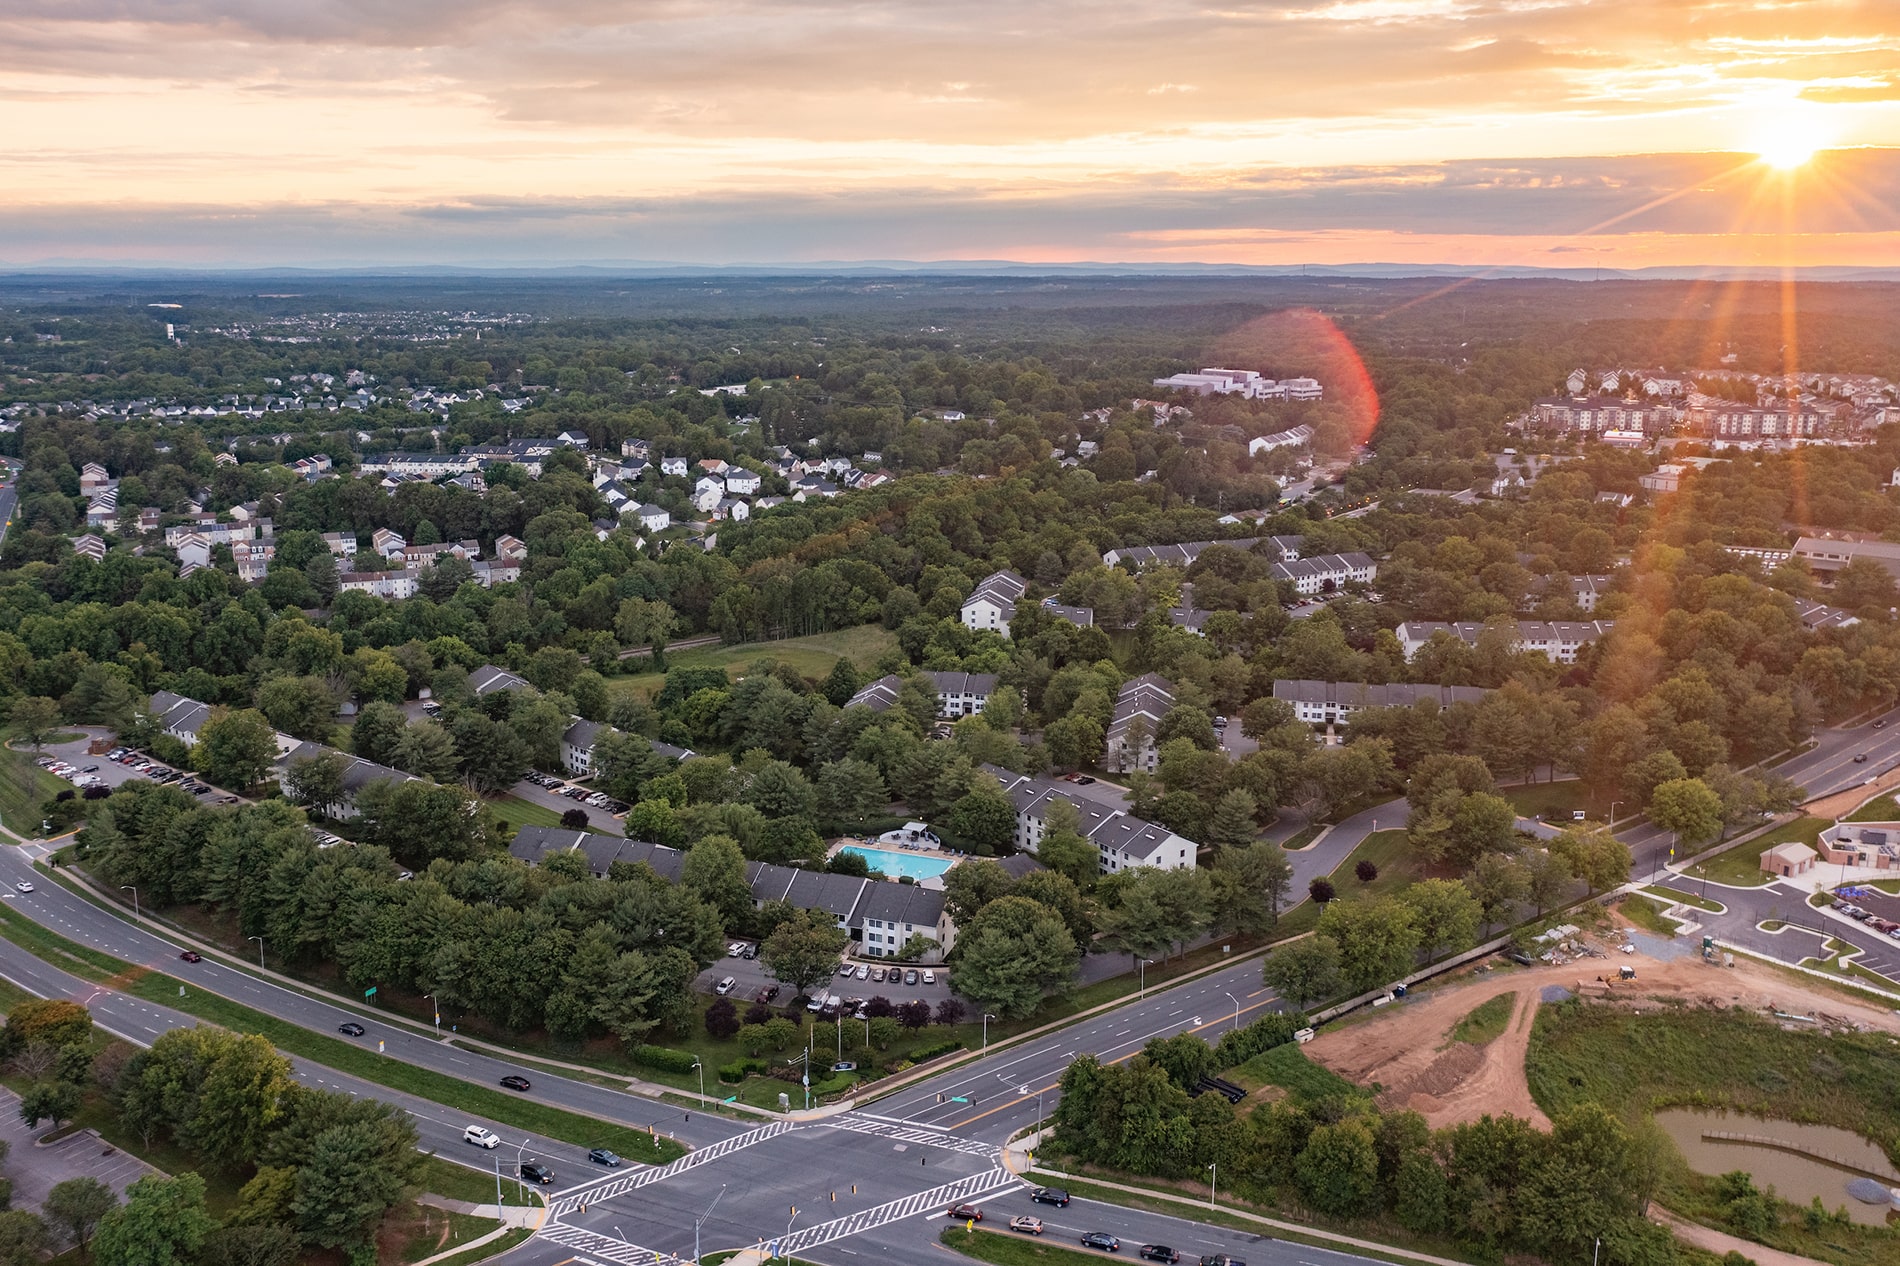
(785, 1244)
(520, 1153)
(1144, 976)
(702, 1090)
(1236, 1002)
(135, 897)
(497, 1156)
(1614, 804)
(987, 1017)
(1213, 1172)
(437, 1007)
(260, 950)
(701, 1221)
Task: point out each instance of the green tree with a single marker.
(804, 950)
(1233, 821)
(1248, 886)
(985, 818)
(235, 749)
(23, 1238)
(1378, 940)
(714, 871)
(1687, 807)
(377, 731)
(316, 782)
(53, 1101)
(851, 790)
(1498, 883)
(1011, 953)
(1546, 879)
(162, 1223)
(1445, 913)
(1304, 970)
(34, 718)
(300, 706)
(77, 1205)
(351, 1177)
(1338, 1170)
(1593, 855)
(841, 683)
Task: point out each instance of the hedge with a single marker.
(664, 1058)
(1264, 1034)
(739, 1069)
(931, 1052)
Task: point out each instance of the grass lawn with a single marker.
(569, 1127)
(1685, 898)
(1741, 865)
(24, 787)
(518, 812)
(1485, 1022)
(1386, 850)
(1006, 1248)
(1647, 915)
(419, 1231)
(486, 1251)
(1556, 798)
(1879, 809)
(459, 1182)
(1286, 1066)
(813, 657)
(1301, 838)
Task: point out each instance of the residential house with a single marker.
(387, 543)
(179, 716)
(90, 546)
(741, 482)
(1327, 573)
(1141, 557)
(341, 544)
(1294, 438)
(577, 746)
(673, 466)
(1825, 556)
(958, 694)
(1140, 706)
(1121, 840)
(1332, 702)
(654, 518)
(572, 439)
(993, 604)
(397, 584)
(511, 549)
(1561, 641)
(487, 679)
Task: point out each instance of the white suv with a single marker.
(481, 1136)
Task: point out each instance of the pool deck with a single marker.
(901, 851)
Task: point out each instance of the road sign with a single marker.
(958, 1099)
(370, 992)
(730, 1099)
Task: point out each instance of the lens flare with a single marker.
(1299, 341)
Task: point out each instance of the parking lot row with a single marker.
(574, 791)
(136, 765)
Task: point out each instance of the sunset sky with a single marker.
(1554, 133)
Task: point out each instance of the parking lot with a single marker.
(1879, 951)
(598, 818)
(37, 1170)
(103, 771)
(751, 977)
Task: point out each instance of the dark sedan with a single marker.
(514, 1081)
(1102, 1240)
(601, 1156)
(1159, 1253)
(352, 1029)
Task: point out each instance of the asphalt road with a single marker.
(9, 504)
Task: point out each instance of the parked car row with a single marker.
(598, 799)
(879, 975)
(1886, 927)
(78, 777)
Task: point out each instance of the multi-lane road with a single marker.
(849, 1174)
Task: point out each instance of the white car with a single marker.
(23, 886)
(735, 949)
(481, 1136)
(863, 973)
(930, 978)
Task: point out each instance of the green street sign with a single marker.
(370, 992)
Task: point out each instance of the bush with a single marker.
(722, 1019)
(740, 1069)
(664, 1058)
(914, 1014)
(923, 1053)
(1321, 891)
(950, 1011)
(1367, 871)
(574, 819)
(1263, 1034)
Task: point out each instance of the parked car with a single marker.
(725, 986)
(536, 1172)
(878, 974)
(515, 1081)
(481, 1136)
(1159, 1253)
(930, 978)
(863, 973)
(601, 1156)
(1050, 1195)
(1102, 1240)
(910, 977)
(1026, 1224)
(353, 1029)
(751, 952)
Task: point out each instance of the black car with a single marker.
(1159, 1253)
(1050, 1195)
(514, 1081)
(1102, 1240)
(353, 1029)
(910, 977)
(601, 1156)
(536, 1172)
(1861, 759)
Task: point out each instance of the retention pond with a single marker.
(1799, 1161)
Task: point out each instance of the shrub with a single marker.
(914, 1014)
(1263, 1034)
(1321, 890)
(1367, 871)
(950, 1011)
(722, 1019)
(923, 1053)
(739, 1069)
(664, 1058)
(574, 819)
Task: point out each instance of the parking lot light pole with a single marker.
(133, 889)
(260, 950)
(987, 1017)
(702, 1090)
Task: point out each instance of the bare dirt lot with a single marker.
(1408, 1052)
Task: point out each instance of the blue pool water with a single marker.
(916, 865)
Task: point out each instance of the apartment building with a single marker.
(1123, 841)
(1333, 702)
(993, 604)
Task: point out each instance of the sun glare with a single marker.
(1788, 143)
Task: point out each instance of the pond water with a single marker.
(1795, 1177)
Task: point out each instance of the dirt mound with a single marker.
(1442, 1076)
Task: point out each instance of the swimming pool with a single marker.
(917, 866)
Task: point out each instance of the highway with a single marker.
(9, 505)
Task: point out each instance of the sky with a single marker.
(1542, 133)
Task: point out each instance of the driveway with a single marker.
(1806, 927)
(37, 1170)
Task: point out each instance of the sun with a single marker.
(1789, 141)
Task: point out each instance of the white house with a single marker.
(654, 519)
(179, 716)
(396, 584)
(993, 604)
(958, 694)
(673, 466)
(740, 482)
(1558, 640)
(1121, 840)
(1140, 705)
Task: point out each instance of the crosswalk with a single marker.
(603, 1246)
(902, 1132)
(936, 1200)
(593, 1193)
